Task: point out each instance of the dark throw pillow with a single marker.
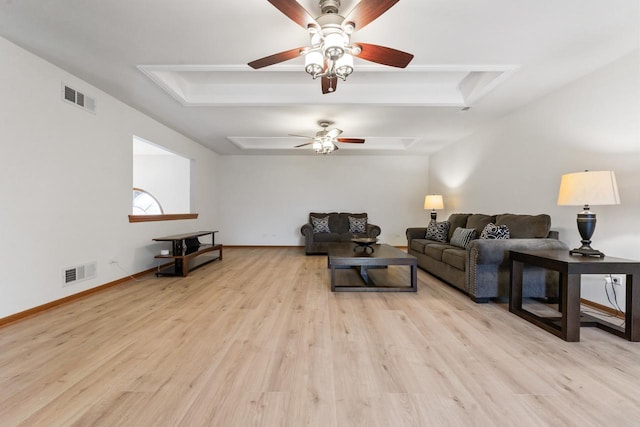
(357, 225)
(497, 232)
(463, 236)
(320, 224)
(438, 231)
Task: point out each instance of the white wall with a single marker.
(65, 186)
(266, 199)
(515, 165)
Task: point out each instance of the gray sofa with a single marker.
(482, 268)
(317, 243)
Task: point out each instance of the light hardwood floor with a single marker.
(259, 339)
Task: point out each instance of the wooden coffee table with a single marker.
(343, 256)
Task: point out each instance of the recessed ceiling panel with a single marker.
(373, 85)
(288, 143)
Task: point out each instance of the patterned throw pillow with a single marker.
(438, 231)
(357, 225)
(492, 231)
(320, 224)
(463, 236)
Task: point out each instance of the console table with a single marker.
(570, 267)
(185, 247)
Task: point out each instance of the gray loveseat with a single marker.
(316, 242)
(482, 268)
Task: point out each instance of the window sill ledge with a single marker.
(166, 217)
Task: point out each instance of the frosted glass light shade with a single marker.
(433, 201)
(313, 63)
(344, 66)
(333, 46)
(588, 188)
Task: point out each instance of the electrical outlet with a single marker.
(613, 280)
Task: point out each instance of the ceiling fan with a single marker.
(325, 140)
(330, 55)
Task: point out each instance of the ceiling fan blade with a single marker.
(302, 145)
(329, 85)
(351, 140)
(302, 136)
(275, 58)
(334, 133)
(384, 55)
(368, 10)
(295, 12)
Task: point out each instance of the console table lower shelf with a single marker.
(188, 253)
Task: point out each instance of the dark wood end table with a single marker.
(342, 255)
(570, 267)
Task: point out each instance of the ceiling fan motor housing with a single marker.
(329, 6)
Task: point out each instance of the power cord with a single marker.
(613, 303)
(117, 264)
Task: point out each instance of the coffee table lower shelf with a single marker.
(342, 256)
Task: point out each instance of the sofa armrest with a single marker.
(490, 251)
(373, 230)
(415, 233)
(307, 230)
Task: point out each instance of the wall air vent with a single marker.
(78, 99)
(78, 273)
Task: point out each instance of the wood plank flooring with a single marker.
(259, 340)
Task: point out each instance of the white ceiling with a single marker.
(184, 63)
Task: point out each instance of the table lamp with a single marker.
(588, 188)
(433, 202)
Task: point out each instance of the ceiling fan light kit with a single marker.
(330, 55)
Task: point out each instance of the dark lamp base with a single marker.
(586, 252)
(586, 227)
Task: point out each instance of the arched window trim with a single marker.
(140, 190)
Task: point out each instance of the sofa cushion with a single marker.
(320, 224)
(463, 236)
(346, 237)
(326, 237)
(418, 245)
(497, 232)
(525, 226)
(438, 231)
(455, 258)
(479, 222)
(457, 220)
(357, 225)
(435, 250)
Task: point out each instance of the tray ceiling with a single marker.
(184, 64)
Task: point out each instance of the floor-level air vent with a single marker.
(78, 99)
(71, 275)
